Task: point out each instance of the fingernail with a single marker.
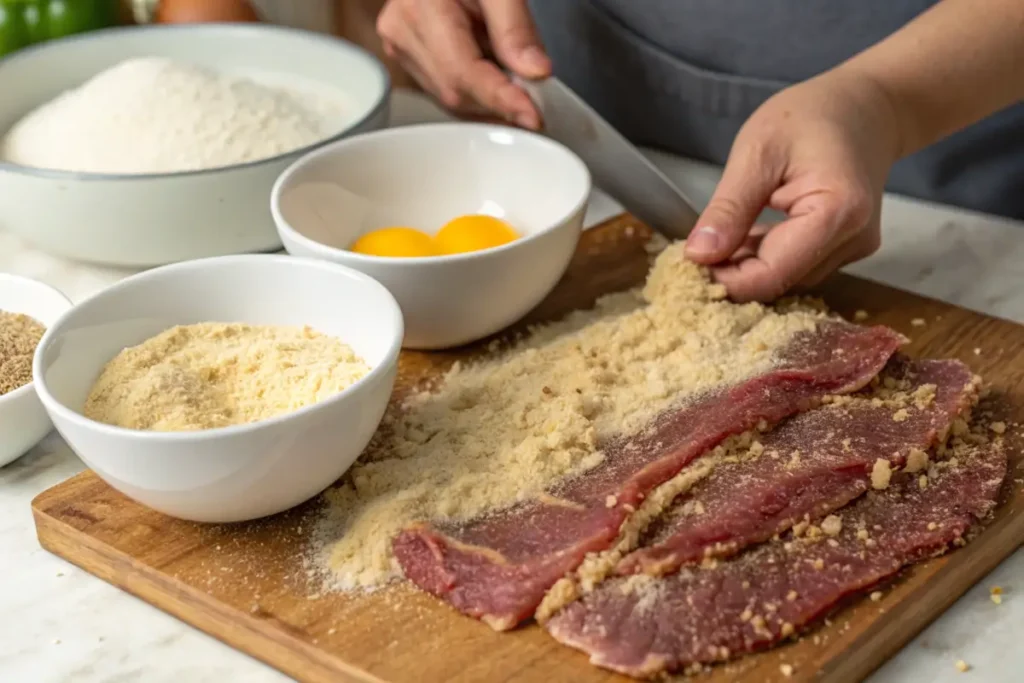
(525, 121)
(534, 58)
(703, 241)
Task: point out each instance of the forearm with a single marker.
(957, 63)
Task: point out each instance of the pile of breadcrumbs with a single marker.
(503, 430)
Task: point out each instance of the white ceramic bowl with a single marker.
(23, 421)
(240, 472)
(423, 176)
(147, 220)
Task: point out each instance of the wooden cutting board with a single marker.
(246, 585)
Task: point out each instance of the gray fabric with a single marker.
(684, 75)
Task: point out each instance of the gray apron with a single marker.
(683, 75)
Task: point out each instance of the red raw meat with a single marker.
(750, 501)
(643, 625)
(499, 568)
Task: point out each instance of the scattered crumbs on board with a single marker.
(995, 594)
(977, 350)
(918, 322)
(656, 244)
(786, 669)
(860, 316)
(962, 666)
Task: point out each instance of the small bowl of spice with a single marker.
(26, 308)
(223, 389)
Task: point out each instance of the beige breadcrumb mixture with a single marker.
(881, 473)
(917, 461)
(503, 430)
(596, 567)
(209, 375)
(832, 525)
(19, 336)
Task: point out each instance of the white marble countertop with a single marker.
(61, 625)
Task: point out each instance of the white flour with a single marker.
(155, 115)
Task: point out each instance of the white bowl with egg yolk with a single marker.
(233, 473)
(423, 176)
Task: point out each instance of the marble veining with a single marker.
(61, 625)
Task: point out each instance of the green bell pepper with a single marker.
(26, 22)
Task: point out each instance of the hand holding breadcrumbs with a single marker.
(820, 151)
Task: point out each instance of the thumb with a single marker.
(514, 37)
(743, 192)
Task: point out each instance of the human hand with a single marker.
(443, 44)
(820, 152)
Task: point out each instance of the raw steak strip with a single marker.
(811, 464)
(642, 625)
(499, 568)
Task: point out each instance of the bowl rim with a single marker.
(29, 387)
(389, 361)
(227, 27)
(285, 228)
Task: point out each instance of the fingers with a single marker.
(751, 244)
(404, 47)
(435, 41)
(514, 37)
(860, 247)
(785, 256)
(447, 34)
(751, 175)
(824, 233)
(395, 27)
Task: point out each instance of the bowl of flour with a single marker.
(149, 145)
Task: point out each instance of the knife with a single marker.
(618, 167)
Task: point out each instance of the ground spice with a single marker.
(19, 336)
(504, 430)
(210, 375)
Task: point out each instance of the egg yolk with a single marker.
(473, 233)
(396, 243)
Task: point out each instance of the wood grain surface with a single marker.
(246, 584)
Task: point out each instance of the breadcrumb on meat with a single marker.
(881, 474)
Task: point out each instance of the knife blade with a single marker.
(618, 167)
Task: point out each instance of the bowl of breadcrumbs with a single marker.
(26, 308)
(223, 389)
